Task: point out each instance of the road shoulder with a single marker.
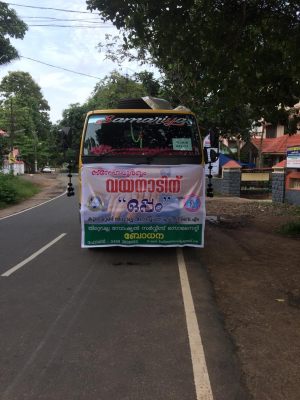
(255, 275)
(52, 185)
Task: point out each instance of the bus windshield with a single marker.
(141, 134)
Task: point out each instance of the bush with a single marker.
(8, 192)
(291, 229)
(14, 189)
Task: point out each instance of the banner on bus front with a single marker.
(142, 205)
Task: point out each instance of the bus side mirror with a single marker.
(210, 155)
(213, 155)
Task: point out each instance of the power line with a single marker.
(83, 20)
(64, 69)
(70, 26)
(49, 19)
(64, 19)
(50, 8)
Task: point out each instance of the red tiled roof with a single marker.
(277, 145)
(281, 164)
(231, 164)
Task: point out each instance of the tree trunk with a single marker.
(260, 155)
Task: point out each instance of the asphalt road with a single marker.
(102, 324)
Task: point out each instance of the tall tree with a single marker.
(114, 87)
(34, 152)
(4, 148)
(69, 129)
(151, 85)
(11, 26)
(24, 115)
(23, 105)
(222, 59)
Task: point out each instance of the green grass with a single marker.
(290, 229)
(14, 189)
(284, 209)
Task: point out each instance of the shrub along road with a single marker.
(50, 185)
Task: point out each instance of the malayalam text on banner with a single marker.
(142, 205)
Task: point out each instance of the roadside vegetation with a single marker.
(15, 189)
(290, 229)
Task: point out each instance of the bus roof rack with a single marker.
(182, 108)
(157, 104)
(145, 103)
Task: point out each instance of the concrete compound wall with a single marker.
(278, 187)
(229, 184)
(292, 197)
(280, 191)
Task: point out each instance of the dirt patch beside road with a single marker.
(256, 276)
(51, 186)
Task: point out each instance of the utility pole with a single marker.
(12, 126)
(210, 190)
(260, 155)
(35, 138)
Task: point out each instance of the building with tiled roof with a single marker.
(232, 164)
(273, 150)
(280, 165)
(276, 145)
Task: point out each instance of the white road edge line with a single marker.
(201, 377)
(31, 208)
(33, 256)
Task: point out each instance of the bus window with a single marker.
(142, 134)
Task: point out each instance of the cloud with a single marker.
(55, 80)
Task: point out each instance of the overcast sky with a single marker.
(73, 48)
